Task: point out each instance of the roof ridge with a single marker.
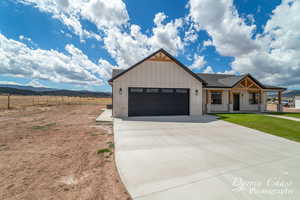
(218, 74)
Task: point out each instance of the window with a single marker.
(181, 90)
(253, 98)
(216, 98)
(167, 90)
(136, 90)
(152, 90)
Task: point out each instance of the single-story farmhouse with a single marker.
(161, 85)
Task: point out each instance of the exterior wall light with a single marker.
(196, 92)
(120, 91)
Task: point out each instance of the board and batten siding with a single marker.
(297, 102)
(156, 74)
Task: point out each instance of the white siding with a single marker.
(156, 74)
(220, 107)
(297, 101)
(244, 103)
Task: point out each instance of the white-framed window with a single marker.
(253, 97)
(216, 98)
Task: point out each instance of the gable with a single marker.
(249, 83)
(160, 56)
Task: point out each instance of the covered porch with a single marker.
(245, 96)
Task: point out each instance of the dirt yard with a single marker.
(51, 152)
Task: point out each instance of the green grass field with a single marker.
(276, 126)
(297, 115)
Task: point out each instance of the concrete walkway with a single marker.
(188, 158)
(285, 117)
(105, 116)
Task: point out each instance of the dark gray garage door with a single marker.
(158, 101)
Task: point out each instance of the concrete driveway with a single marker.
(178, 158)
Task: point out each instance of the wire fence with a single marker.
(19, 101)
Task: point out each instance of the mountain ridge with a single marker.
(30, 90)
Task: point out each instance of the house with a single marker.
(297, 101)
(161, 85)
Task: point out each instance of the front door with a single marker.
(236, 101)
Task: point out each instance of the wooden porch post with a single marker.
(260, 96)
(207, 102)
(279, 106)
(262, 101)
(229, 100)
(207, 97)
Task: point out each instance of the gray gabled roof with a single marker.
(208, 80)
(229, 81)
(116, 72)
(220, 80)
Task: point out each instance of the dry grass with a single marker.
(17, 102)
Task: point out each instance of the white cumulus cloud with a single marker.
(35, 83)
(272, 57)
(231, 36)
(75, 67)
(102, 13)
(277, 61)
(129, 47)
(208, 70)
(199, 62)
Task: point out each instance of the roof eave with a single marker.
(217, 86)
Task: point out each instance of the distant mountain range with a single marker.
(21, 87)
(287, 93)
(29, 90)
(291, 93)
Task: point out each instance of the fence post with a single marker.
(8, 101)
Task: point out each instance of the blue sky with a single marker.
(75, 44)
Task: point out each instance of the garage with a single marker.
(155, 86)
(158, 101)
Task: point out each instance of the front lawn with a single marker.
(297, 115)
(276, 126)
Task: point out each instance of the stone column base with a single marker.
(279, 108)
(208, 109)
(262, 108)
(230, 106)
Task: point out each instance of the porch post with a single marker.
(230, 107)
(262, 101)
(279, 105)
(208, 101)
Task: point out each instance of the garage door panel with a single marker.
(158, 101)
